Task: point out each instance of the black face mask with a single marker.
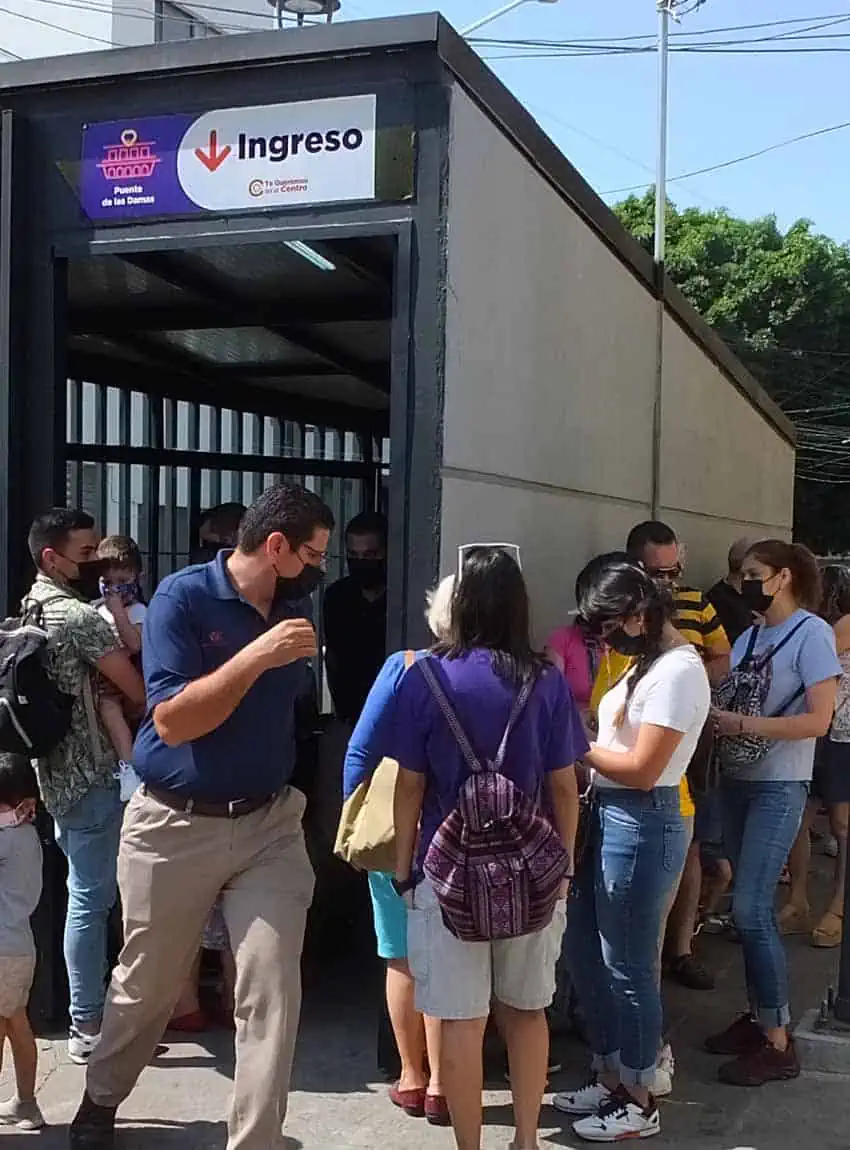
(625, 644)
(86, 583)
(301, 586)
(754, 595)
(368, 574)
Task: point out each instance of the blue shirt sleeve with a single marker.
(818, 660)
(371, 738)
(409, 741)
(171, 649)
(567, 738)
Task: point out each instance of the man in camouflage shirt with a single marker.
(77, 777)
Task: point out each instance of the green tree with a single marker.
(782, 302)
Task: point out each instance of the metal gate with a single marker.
(147, 466)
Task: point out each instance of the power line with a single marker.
(59, 28)
(824, 21)
(739, 159)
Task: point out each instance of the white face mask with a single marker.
(14, 818)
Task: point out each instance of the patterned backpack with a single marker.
(745, 692)
(496, 863)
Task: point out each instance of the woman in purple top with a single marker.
(481, 668)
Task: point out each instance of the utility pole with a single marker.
(666, 9)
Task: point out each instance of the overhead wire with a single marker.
(739, 159)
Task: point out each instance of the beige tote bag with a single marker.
(366, 835)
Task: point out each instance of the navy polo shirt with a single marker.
(195, 622)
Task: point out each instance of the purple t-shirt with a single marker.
(548, 736)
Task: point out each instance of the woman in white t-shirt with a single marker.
(649, 725)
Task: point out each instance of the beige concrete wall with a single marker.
(725, 471)
(549, 382)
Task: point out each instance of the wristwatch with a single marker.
(403, 888)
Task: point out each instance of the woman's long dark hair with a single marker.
(835, 598)
(490, 609)
(616, 592)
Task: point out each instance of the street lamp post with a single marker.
(503, 11)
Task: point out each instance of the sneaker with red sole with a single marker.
(412, 1102)
(742, 1037)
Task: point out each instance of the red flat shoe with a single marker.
(437, 1110)
(194, 1023)
(412, 1102)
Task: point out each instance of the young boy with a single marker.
(20, 890)
(123, 609)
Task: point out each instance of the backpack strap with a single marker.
(751, 646)
(457, 730)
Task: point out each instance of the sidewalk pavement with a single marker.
(339, 1101)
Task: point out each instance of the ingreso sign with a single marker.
(231, 159)
(312, 152)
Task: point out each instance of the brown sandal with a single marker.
(828, 931)
(794, 920)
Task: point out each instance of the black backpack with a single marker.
(34, 714)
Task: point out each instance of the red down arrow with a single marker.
(212, 159)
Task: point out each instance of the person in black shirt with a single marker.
(355, 617)
(725, 596)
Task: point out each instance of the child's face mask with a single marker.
(128, 593)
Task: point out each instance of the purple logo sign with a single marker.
(129, 169)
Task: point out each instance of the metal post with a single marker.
(503, 11)
(842, 1001)
(279, 10)
(660, 249)
(661, 176)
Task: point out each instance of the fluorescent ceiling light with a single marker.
(310, 254)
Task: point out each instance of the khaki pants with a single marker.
(171, 867)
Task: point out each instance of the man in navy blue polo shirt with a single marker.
(224, 659)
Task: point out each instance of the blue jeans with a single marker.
(88, 836)
(616, 913)
(760, 823)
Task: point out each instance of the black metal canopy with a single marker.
(258, 315)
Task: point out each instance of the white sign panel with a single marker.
(275, 155)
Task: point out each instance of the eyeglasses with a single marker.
(510, 549)
(317, 558)
(667, 573)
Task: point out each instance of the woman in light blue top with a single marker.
(418, 1090)
(763, 803)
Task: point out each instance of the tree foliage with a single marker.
(781, 300)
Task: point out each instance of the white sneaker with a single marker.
(21, 1115)
(586, 1100)
(620, 1119)
(665, 1068)
(80, 1046)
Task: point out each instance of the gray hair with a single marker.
(438, 608)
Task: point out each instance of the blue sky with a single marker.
(721, 106)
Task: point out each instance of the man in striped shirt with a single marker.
(655, 545)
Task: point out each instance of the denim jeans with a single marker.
(88, 836)
(617, 908)
(760, 823)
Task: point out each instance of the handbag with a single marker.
(366, 834)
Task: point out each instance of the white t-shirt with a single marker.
(135, 613)
(674, 693)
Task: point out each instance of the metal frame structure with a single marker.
(411, 65)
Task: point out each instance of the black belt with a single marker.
(232, 810)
